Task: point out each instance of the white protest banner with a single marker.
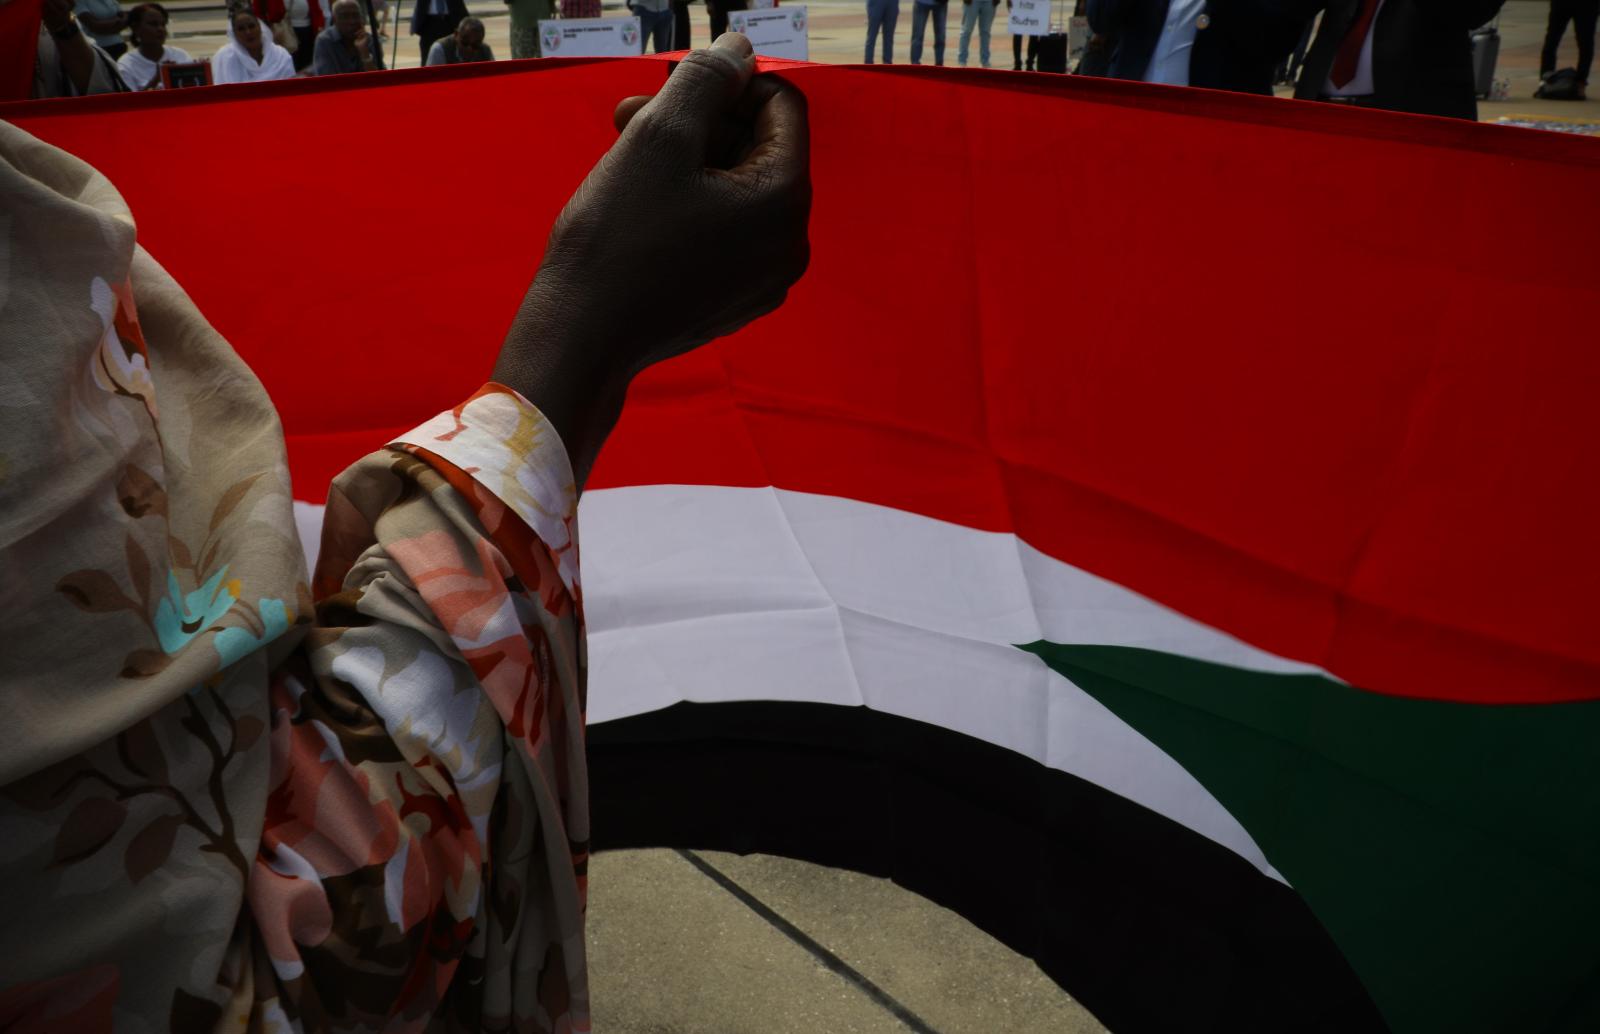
(590, 37)
(774, 31)
(1029, 18)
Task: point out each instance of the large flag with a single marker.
(1161, 524)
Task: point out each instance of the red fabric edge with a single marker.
(1309, 116)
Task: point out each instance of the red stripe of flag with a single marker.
(1323, 378)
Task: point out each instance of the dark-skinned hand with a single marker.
(713, 171)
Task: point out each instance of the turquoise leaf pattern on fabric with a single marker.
(180, 617)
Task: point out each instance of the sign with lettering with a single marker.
(590, 37)
(1029, 18)
(775, 31)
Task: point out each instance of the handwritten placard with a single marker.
(1029, 18)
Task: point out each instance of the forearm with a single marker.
(552, 360)
(77, 60)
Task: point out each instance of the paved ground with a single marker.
(838, 36)
(714, 942)
(1522, 24)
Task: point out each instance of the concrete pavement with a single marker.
(705, 941)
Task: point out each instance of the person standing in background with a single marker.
(103, 21)
(305, 18)
(718, 9)
(433, 20)
(981, 14)
(1033, 43)
(881, 16)
(655, 23)
(525, 18)
(1207, 43)
(1399, 55)
(1583, 15)
(922, 11)
(680, 24)
(1016, 49)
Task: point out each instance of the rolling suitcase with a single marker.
(1485, 55)
(1052, 53)
(1054, 45)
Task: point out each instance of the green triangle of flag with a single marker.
(1452, 851)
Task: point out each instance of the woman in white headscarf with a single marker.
(251, 57)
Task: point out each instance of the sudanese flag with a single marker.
(1161, 524)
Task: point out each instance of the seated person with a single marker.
(465, 44)
(251, 57)
(66, 63)
(346, 45)
(141, 66)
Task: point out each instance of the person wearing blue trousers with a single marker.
(882, 14)
(921, 11)
(981, 14)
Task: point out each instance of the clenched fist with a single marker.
(691, 226)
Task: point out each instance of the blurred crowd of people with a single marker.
(1403, 55)
(95, 46)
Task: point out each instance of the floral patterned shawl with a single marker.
(229, 799)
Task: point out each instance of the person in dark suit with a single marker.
(1583, 14)
(1402, 55)
(680, 25)
(1218, 44)
(718, 9)
(433, 20)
